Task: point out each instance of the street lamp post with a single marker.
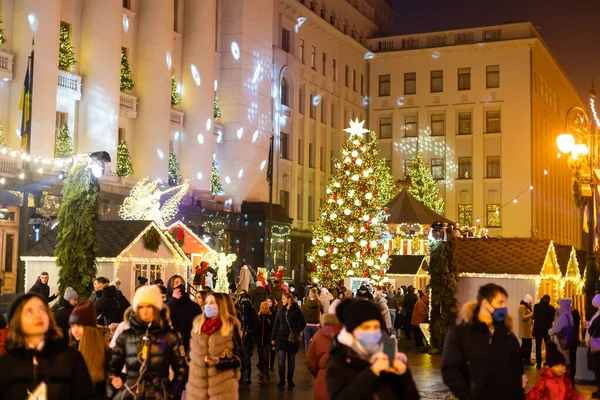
(584, 143)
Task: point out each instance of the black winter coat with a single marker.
(183, 312)
(62, 311)
(478, 366)
(543, 318)
(43, 290)
(350, 378)
(124, 304)
(265, 328)
(410, 299)
(258, 296)
(59, 366)
(108, 308)
(164, 350)
(248, 318)
(281, 329)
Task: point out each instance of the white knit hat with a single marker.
(528, 298)
(596, 301)
(147, 295)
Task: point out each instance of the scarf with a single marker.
(210, 326)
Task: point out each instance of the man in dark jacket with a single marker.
(62, 310)
(183, 309)
(249, 320)
(259, 294)
(100, 283)
(107, 307)
(277, 291)
(482, 359)
(543, 318)
(41, 287)
(364, 293)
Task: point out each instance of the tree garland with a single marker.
(152, 240)
(178, 235)
(576, 165)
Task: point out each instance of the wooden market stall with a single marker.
(122, 254)
(194, 247)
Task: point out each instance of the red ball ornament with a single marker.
(366, 274)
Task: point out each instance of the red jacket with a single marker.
(279, 276)
(318, 353)
(553, 387)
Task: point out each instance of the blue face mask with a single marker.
(369, 340)
(499, 314)
(210, 311)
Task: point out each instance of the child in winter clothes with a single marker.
(263, 341)
(554, 383)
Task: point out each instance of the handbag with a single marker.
(293, 337)
(567, 337)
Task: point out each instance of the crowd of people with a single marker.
(173, 341)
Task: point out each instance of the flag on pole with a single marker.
(270, 165)
(25, 105)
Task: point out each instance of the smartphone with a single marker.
(389, 349)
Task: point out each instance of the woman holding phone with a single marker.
(364, 362)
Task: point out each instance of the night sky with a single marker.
(571, 28)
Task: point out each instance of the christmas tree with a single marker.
(66, 55)
(347, 238)
(126, 80)
(2, 38)
(591, 283)
(217, 110)
(124, 167)
(422, 185)
(174, 174)
(175, 97)
(215, 181)
(2, 140)
(77, 243)
(63, 146)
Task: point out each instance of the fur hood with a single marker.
(468, 310)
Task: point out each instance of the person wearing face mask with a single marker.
(357, 368)
(215, 352)
(183, 309)
(482, 359)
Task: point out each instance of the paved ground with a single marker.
(425, 370)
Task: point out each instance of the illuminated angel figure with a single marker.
(220, 262)
(143, 203)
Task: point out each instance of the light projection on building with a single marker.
(125, 23)
(235, 50)
(255, 136)
(240, 133)
(369, 55)
(33, 21)
(208, 124)
(200, 138)
(168, 58)
(199, 175)
(160, 153)
(195, 74)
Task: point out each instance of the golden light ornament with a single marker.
(373, 243)
(327, 239)
(328, 191)
(565, 142)
(340, 201)
(357, 202)
(321, 253)
(369, 196)
(355, 178)
(350, 239)
(336, 184)
(350, 272)
(335, 250)
(347, 212)
(359, 162)
(366, 174)
(354, 153)
(351, 193)
(333, 216)
(366, 217)
(375, 220)
(351, 229)
(363, 243)
(347, 160)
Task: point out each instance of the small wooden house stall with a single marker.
(572, 267)
(409, 270)
(123, 254)
(194, 248)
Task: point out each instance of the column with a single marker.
(101, 29)
(45, 28)
(198, 75)
(150, 153)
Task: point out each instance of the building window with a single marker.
(175, 15)
(493, 166)
(333, 115)
(465, 214)
(385, 84)
(322, 158)
(406, 165)
(284, 146)
(493, 215)
(437, 81)
(313, 57)
(354, 80)
(410, 83)
(334, 62)
(492, 121)
(122, 135)
(302, 50)
(464, 78)
(313, 107)
(492, 79)
(323, 111)
(301, 101)
(284, 201)
(464, 168)
(362, 85)
(300, 212)
(385, 128)
(438, 169)
(347, 77)
(411, 126)
(438, 125)
(311, 155)
(285, 40)
(324, 64)
(311, 209)
(300, 152)
(284, 92)
(127, 4)
(464, 123)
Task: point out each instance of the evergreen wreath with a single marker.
(152, 240)
(178, 235)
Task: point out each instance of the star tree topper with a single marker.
(356, 128)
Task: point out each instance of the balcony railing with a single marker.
(128, 105)
(69, 85)
(6, 66)
(177, 118)
(10, 166)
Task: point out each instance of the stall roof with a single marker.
(563, 254)
(404, 208)
(402, 265)
(113, 238)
